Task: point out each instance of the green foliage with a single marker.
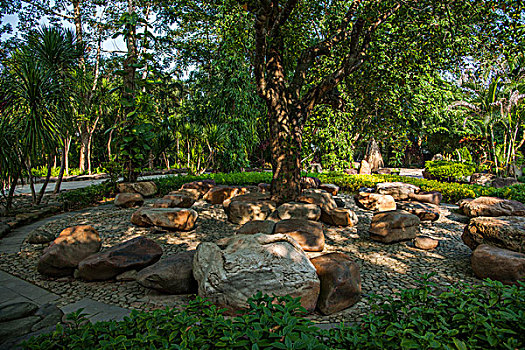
(86, 196)
(460, 317)
(448, 170)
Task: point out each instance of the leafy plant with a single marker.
(448, 170)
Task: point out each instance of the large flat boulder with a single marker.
(296, 210)
(178, 200)
(492, 206)
(309, 234)
(339, 217)
(432, 197)
(65, 253)
(501, 182)
(506, 232)
(145, 188)
(134, 254)
(394, 226)
(340, 282)
(330, 188)
(189, 192)
(218, 194)
(399, 190)
(310, 182)
(128, 200)
(257, 226)
(178, 219)
(375, 201)
(241, 212)
(424, 211)
(320, 198)
(170, 275)
(201, 186)
(271, 264)
(498, 264)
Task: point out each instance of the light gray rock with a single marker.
(492, 206)
(399, 190)
(393, 226)
(296, 210)
(375, 201)
(13, 311)
(271, 264)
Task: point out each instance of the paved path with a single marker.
(14, 289)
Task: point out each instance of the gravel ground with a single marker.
(385, 269)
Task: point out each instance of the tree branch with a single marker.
(283, 16)
(48, 11)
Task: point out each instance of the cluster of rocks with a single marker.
(496, 234)
(400, 208)
(485, 179)
(25, 318)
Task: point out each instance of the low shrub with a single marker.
(449, 171)
(489, 316)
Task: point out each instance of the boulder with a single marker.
(145, 188)
(482, 179)
(241, 212)
(219, 194)
(340, 282)
(134, 254)
(365, 168)
(373, 155)
(339, 217)
(179, 200)
(492, 206)
(501, 182)
(340, 202)
(375, 201)
(178, 219)
(498, 264)
(4, 229)
(351, 171)
(12, 311)
(394, 226)
(264, 187)
(202, 186)
(384, 171)
(296, 210)
(271, 264)
(73, 245)
(257, 226)
(310, 182)
(320, 198)
(188, 192)
(171, 275)
(128, 200)
(425, 243)
(506, 232)
(248, 197)
(399, 190)
(330, 188)
(424, 211)
(432, 197)
(309, 234)
(40, 236)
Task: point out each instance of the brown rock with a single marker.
(424, 211)
(175, 219)
(128, 200)
(339, 217)
(72, 246)
(501, 182)
(330, 188)
(482, 179)
(180, 200)
(492, 206)
(257, 226)
(320, 198)
(425, 243)
(426, 197)
(365, 168)
(340, 282)
(309, 234)
(189, 192)
(507, 232)
(171, 275)
(134, 254)
(498, 264)
(241, 212)
(374, 201)
(202, 186)
(310, 182)
(399, 190)
(145, 188)
(218, 194)
(351, 171)
(248, 197)
(393, 226)
(296, 210)
(264, 187)
(384, 171)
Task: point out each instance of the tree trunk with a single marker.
(68, 145)
(11, 194)
(48, 176)
(62, 169)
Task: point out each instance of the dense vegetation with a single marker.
(191, 84)
(490, 316)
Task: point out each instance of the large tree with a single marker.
(294, 38)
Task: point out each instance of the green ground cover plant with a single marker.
(487, 316)
(445, 170)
